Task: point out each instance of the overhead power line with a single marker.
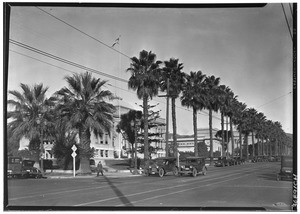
(274, 99)
(287, 21)
(77, 29)
(27, 47)
(94, 71)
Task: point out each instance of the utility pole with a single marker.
(167, 118)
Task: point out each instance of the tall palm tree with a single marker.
(224, 100)
(30, 113)
(211, 88)
(252, 119)
(260, 119)
(145, 75)
(172, 71)
(237, 119)
(84, 105)
(193, 96)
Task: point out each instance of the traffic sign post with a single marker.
(74, 148)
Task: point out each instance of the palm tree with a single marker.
(224, 101)
(84, 105)
(211, 88)
(30, 117)
(237, 119)
(260, 119)
(252, 114)
(193, 96)
(172, 71)
(145, 75)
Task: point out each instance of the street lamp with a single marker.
(39, 122)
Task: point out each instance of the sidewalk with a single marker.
(69, 174)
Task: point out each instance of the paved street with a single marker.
(249, 185)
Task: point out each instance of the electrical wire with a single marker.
(291, 9)
(77, 29)
(287, 21)
(99, 73)
(22, 45)
(274, 99)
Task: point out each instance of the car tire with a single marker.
(194, 172)
(175, 171)
(161, 172)
(204, 171)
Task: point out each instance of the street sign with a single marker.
(74, 154)
(74, 148)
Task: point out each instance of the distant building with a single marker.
(186, 142)
(109, 145)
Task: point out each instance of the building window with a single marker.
(106, 138)
(101, 153)
(106, 153)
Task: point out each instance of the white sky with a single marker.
(250, 49)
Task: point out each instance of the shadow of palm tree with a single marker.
(120, 195)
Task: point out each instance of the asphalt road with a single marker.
(245, 187)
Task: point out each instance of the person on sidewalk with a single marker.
(99, 169)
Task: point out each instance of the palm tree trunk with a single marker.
(247, 147)
(232, 137)
(241, 144)
(174, 127)
(84, 139)
(253, 145)
(223, 140)
(262, 146)
(146, 146)
(210, 137)
(195, 131)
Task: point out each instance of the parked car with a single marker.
(238, 160)
(20, 168)
(34, 173)
(192, 166)
(286, 169)
(162, 166)
(222, 161)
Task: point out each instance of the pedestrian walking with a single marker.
(99, 169)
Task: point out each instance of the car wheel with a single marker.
(204, 171)
(175, 171)
(161, 172)
(194, 173)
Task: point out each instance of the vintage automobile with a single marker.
(238, 160)
(34, 173)
(162, 166)
(192, 166)
(286, 169)
(222, 161)
(18, 168)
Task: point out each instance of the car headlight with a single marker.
(9, 171)
(191, 166)
(27, 170)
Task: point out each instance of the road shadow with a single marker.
(120, 195)
(268, 176)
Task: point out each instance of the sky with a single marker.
(250, 49)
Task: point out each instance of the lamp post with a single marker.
(39, 122)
